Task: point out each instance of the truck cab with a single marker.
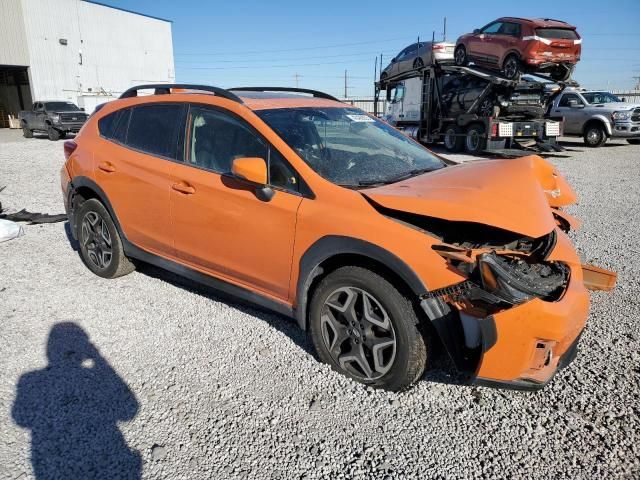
(55, 118)
(596, 116)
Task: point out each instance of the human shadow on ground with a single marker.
(72, 407)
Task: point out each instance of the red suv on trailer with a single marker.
(521, 45)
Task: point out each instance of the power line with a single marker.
(278, 66)
(391, 52)
(300, 48)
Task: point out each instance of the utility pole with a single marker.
(444, 31)
(345, 84)
(295, 78)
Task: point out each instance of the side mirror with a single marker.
(476, 31)
(254, 170)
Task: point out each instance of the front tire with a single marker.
(595, 136)
(101, 248)
(26, 132)
(460, 56)
(364, 328)
(511, 67)
(53, 134)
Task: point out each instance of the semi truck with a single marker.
(471, 109)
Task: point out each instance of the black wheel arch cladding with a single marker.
(333, 245)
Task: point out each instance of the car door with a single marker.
(220, 224)
(133, 167)
(38, 116)
(571, 108)
(483, 45)
(506, 40)
(406, 58)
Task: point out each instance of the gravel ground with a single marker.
(187, 384)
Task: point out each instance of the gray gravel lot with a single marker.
(188, 384)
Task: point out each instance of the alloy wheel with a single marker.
(460, 56)
(96, 240)
(511, 68)
(358, 333)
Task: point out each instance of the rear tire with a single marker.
(453, 140)
(562, 73)
(101, 248)
(475, 142)
(53, 134)
(511, 67)
(633, 141)
(595, 135)
(26, 131)
(364, 328)
(460, 56)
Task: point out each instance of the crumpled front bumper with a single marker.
(533, 340)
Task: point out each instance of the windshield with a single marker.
(60, 107)
(600, 97)
(348, 147)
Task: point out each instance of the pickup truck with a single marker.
(596, 116)
(55, 118)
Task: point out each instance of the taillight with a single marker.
(494, 129)
(69, 147)
(437, 46)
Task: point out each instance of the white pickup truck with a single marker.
(596, 116)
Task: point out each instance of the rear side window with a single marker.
(114, 126)
(511, 29)
(153, 129)
(557, 33)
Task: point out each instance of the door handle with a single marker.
(106, 167)
(184, 188)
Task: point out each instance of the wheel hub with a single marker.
(96, 240)
(358, 333)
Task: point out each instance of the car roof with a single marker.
(538, 22)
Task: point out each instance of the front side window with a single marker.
(492, 28)
(348, 147)
(216, 139)
(61, 107)
(153, 129)
(568, 98)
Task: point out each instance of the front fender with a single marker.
(602, 119)
(333, 245)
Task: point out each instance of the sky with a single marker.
(312, 44)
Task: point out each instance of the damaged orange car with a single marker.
(317, 210)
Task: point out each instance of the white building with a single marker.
(78, 50)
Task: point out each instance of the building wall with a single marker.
(13, 39)
(107, 50)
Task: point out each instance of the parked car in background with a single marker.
(55, 118)
(520, 45)
(418, 55)
(317, 210)
(597, 116)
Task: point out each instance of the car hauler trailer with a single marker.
(472, 109)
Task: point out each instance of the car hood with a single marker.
(615, 106)
(513, 194)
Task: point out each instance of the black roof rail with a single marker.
(315, 93)
(165, 89)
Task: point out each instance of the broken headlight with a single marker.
(515, 281)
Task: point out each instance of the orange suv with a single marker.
(319, 211)
(523, 45)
